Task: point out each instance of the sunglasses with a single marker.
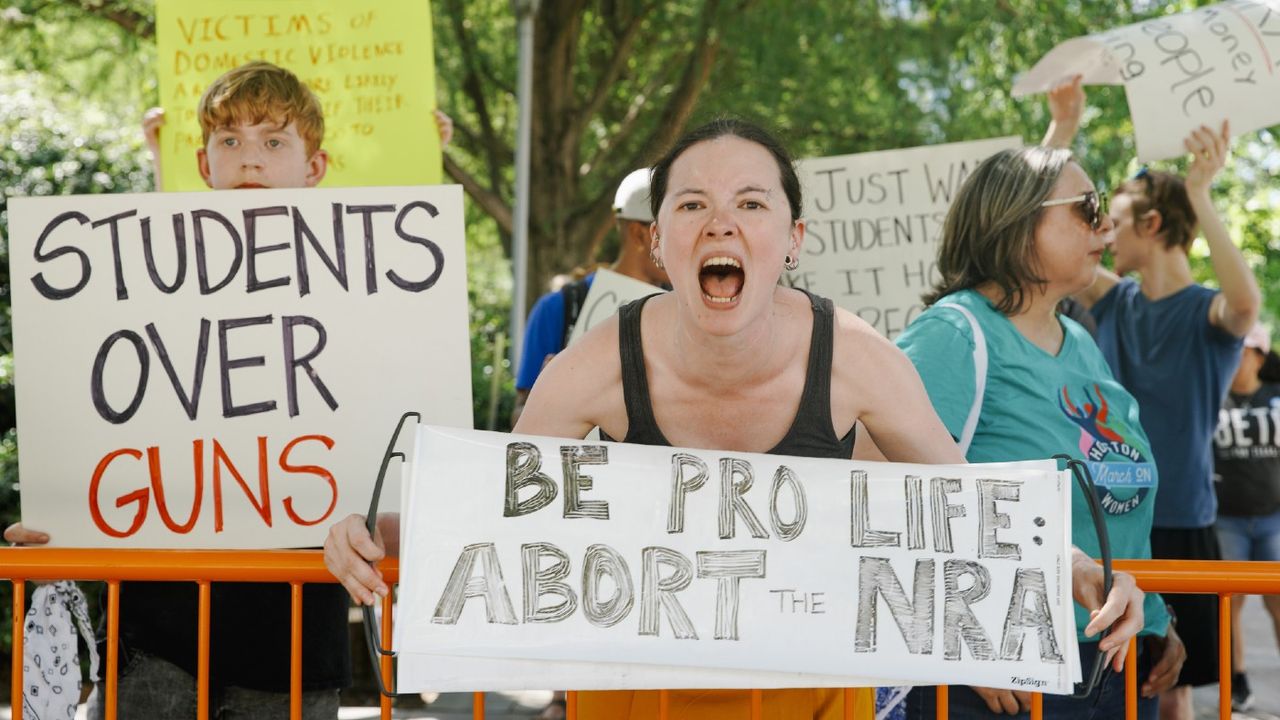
(1091, 207)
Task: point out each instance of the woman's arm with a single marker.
(875, 383)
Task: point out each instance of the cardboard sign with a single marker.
(873, 224)
(371, 65)
(209, 369)
(529, 561)
(1179, 72)
(609, 291)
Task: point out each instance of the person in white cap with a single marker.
(1246, 449)
(554, 315)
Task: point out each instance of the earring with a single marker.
(790, 263)
(657, 261)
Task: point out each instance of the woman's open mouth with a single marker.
(722, 279)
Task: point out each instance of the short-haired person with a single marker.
(261, 127)
(1024, 232)
(1246, 460)
(555, 313)
(153, 125)
(1174, 345)
(730, 360)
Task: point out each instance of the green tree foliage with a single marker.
(615, 80)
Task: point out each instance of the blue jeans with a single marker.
(149, 688)
(1249, 538)
(965, 704)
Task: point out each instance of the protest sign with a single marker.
(1180, 71)
(208, 369)
(527, 561)
(371, 65)
(873, 222)
(609, 291)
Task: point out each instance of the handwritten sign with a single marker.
(873, 224)
(202, 369)
(633, 566)
(1180, 71)
(609, 291)
(371, 65)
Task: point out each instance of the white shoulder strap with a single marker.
(979, 377)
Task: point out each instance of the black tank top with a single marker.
(810, 434)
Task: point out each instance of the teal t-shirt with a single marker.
(1038, 405)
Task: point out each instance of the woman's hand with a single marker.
(349, 554)
(1122, 610)
(1002, 702)
(1209, 152)
(1171, 653)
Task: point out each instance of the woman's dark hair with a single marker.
(1165, 193)
(718, 128)
(989, 233)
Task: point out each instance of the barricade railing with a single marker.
(299, 567)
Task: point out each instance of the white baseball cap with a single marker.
(631, 202)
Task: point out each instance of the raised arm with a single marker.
(1235, 309)
(1066, 108)
(152, 121)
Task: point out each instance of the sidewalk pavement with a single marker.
(457, 706)
(1263, 661)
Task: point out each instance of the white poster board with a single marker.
(873, 222)
(538, 562)
(1200, 67)
(223, 369)
(609, 291)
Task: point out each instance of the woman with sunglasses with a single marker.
(1012, 379)
(1174, 344)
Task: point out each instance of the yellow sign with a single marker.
(371, 64)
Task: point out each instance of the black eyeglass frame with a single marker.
(1084, 478)
(370, 620)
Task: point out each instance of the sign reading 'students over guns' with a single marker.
(200, 369)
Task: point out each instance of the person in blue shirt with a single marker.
(1026, 231)
(553, 315)
(1175, 345)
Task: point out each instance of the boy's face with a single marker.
(264, 155)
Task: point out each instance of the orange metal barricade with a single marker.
(297, 567)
